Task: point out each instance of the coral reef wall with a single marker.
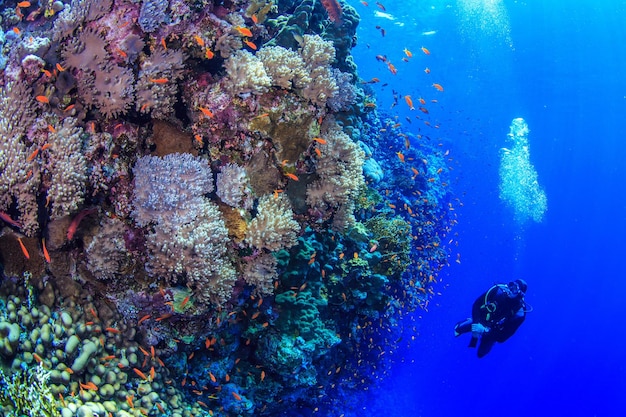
(193, 220)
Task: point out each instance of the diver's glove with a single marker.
(478, 329)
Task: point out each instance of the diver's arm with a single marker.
(510, 326)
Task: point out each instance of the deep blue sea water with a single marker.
(560, 65)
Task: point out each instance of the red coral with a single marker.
(334, 10)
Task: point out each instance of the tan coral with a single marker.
(68, 169)
(246, 74)
(19, 177)
(274, 227)
(340, 172)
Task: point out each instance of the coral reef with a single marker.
(28, 393)
(68, 169)
(340, 177)
(169, 188)
(273, 228)
(18, 179)
(233, 186)
(246, 74)
(185, 225)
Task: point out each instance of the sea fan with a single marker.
(334, 10)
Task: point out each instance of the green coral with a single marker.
(394, 242)
(27, 393)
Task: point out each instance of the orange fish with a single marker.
(140, 374)
(112, 330)
(158, 80)
(213, 379)
(438, 86)
(409, 101)
(236, 396)
(262, 375)
(408, 53)
(318, 153)
(163, 44)
(250, 44)
(392, 68)
(144, 318)
(24, 250)
(199, 40)
(292, 176)
(184, 303)
(427, 70)
(42, 99)
(244, 31)
(254, 18)
(129, 401)
(320, 141)
(16, 31)
(23, 4)
(46, 255)
(33, 155)
(425, 50)
(208, 113)
(208, 54)
(421, 100)
(400, 156)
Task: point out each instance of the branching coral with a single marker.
(246, 74)
(156, 82)
(78, 12)
(285, 67)
(233, 186)
(347, 92)
(106, 254)
(19, 179)
(189, 238)
(194, 252)
(68, 169)
(261, 272)
(153, 13)
(318, 54)
(340, 172)
(169, 188)
(274, 227)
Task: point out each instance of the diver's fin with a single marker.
(463, 326)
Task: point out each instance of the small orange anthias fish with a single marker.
(409, 102)
(244, 31)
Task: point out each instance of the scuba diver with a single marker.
(496, 315)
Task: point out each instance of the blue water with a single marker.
(559, 65)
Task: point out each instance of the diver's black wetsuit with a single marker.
(500, 310)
